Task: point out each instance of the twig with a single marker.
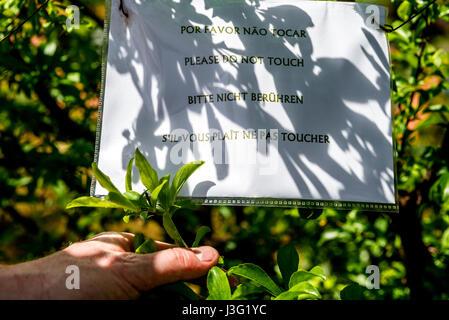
(389, 28)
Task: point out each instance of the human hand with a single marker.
(108, 269)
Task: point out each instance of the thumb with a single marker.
(175, 264)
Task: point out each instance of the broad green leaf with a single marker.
(245, 290)
(132, 195)
(147, 174)
(218, 285)
(289, 295)
(182, 175)
(139, 238)
(303, 289)
(288, 261)
(301, 276)
(295, 295)
(256, 274)
(91, 202)
(128, 177)
(120, 200)
(307, 288)
(126, 218)
(404, 10)
(103, 179)
(155, 193)
(352, 292)
(318, 271)
(147, 247)
(202, 231)
(172, 231)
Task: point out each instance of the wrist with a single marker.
(29, 280)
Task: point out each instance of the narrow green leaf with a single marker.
(164, 194)
(202, 231)
(172, 231)
(256, 274)
(147, 174)
(128, 178)
(288, 261)
(103, 179)
(91, 202)
(182, 175)
(155, 193)
(119, 199)
(218, 285)
(147, 247)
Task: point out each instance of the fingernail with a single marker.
(205, 254)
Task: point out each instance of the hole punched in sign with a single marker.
(122, 9)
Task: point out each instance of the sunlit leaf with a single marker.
(91, 202)
(218, 285)
(301, 276)
(103, 179)
(122, 201)
(182, 175)
(301, 289)
(128, 177)
(147, 174)
(404, 10)
(155, 193)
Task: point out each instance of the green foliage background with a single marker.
(49, 93)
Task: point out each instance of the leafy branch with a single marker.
(159, 197)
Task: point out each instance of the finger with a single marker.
(122, 241)
(163, 245)
(171, 265)
(125, 240)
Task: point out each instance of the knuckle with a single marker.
(113, 260)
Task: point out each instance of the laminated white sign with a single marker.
(287, 102)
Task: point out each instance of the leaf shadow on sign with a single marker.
(335, 91)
